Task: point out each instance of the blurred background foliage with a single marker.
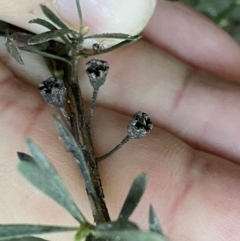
(225, 13)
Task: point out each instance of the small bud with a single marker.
(97, 71)
(96, 47)
(53, 91)
(139, 126)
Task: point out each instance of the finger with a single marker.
(194, 39)
(100, 16)
(190, 190)
(198, 108)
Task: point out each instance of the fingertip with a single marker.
(108, 15)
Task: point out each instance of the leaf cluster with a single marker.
(73, 40)
(38, 170)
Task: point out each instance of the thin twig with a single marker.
(93, 103)
(123, 142)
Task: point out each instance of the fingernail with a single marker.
(108, 15)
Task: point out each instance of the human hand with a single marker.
(191, 156)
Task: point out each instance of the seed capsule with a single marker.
(97, 71)
(53, 91)
(139, 126)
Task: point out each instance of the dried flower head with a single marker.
(97, 71)
(53, 91)
(139, 126)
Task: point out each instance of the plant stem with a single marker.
(124, 141)
(93, 103)
(80, 133)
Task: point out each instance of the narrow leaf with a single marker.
(39, 171)
(50, 26)
(49, 35)
(22, 40)
(13, 50)
(52, 16)
(134, 195)
(23, 37)
(114, 36)
(73, 147)
(79, 12)
(154, 224)
(127, 235)
(43, 23)
(8, 232)
(44, 54)
(114, 47)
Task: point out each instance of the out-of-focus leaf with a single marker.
(225, 13)
(52, 16)
(18, 231)
(73, 147)
(134, 195)
(44, 54)
(13, 50)
(3, 26)
(127, 235)
(233, 23)
(114, 36)
(30, 238)
(154, 224)
(39, 171)
(49, 35)
(83, 232)
(122, 230)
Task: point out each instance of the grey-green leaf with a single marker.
(18, 231)
(44, 54)
(117, 225)
(134, 195)
(50, 26)
(49, 35)
(154, 224)
(73, 147)
(13, 50)
(127, 235)
(43, 23)
(114, 36)
(52, 16)
(38, 170)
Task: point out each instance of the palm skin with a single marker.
(192, 155)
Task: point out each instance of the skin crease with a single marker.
(191, 156)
